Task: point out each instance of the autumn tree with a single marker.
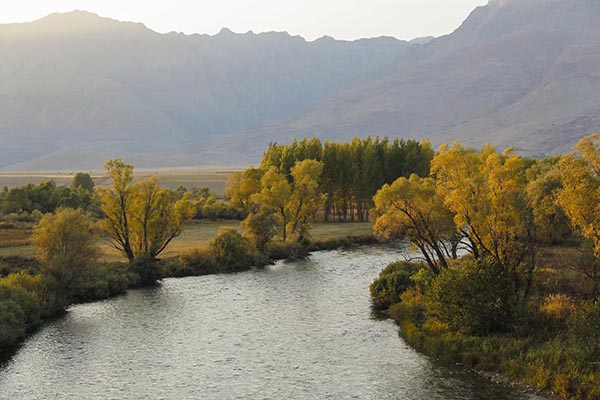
(410, 209)
(84, 181)
(352, 171)
(65, 246)
(240, 188)
(116, 204)
(260, 227)
(273, 197)
(157, 218)
(579, 196)
(486, 191)
(306, 199)
(141, 219)
(544, 181)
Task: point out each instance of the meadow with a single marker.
(214, 179)
(15, 238)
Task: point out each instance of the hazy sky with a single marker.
(342, 19)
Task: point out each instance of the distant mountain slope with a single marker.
(521, 73)
(78, 80)
(77, 89)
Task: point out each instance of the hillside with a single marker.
(524, 73)
(78, 89)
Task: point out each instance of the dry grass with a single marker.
(341, 230)
(15, 241)
(171, 179)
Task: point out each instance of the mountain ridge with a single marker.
(132, 85)
(512, 74)
(519, 73)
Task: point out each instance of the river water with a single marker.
(295, 330)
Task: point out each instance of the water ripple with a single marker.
(296, 330)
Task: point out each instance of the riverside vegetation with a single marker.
(507, 277)
(522, 300)
(277, 204)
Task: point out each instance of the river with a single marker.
(295, 330)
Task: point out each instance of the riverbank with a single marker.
(546, 344)
(300, 329)
(15, 239)
(32, 300)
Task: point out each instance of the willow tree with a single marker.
(579, 196)
(487, 193)
(306, 198)
(552, 226)
(66, 246)
(141, 219)
(411, 210)
(273, 197)
(580, 193)
(240, 188)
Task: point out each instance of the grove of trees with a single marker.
(507, 278)
(486, 203)
(352, 171)
(47, 196)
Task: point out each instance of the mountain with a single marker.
(520, 73)
(77, 89)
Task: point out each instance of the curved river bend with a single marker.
(296, 330)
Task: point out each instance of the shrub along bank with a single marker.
(29, 295)
(470, 314)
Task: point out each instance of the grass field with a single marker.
(15, 239)
(190, 178)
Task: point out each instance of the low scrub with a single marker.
(227, 252)
(104, 281)
(469, 315)
(332, 243)
(286, 251)
(477, 297)
(392, 281)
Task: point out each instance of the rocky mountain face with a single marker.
(77, 89)
(519, 73)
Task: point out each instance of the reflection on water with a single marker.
(296, 330)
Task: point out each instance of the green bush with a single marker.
(103, 281)
(393, 280)
(332, 243)
(233, 252)
(42, 287)
(198, 262)
(12, 323)
(476, 298)
(411, 307)
(214, 210)
(287, 251)
(175, 269)
(19, 313)
(146, 269)
(585, 329)
(12, 264)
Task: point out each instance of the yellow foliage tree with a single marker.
(65, 246)
(274, 194)
(306, 199)
(486, 191)
(551, 224)
(141, 219)
(410, 209)
(580, 193)
(241, 186)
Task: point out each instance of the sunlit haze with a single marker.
(350, 19)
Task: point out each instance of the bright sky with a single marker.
(342, 19)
